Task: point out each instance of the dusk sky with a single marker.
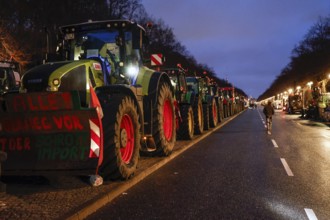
(247, 42)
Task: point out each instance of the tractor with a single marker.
(9, 77)
(200, 106)
(295, 103)
(94, 109)
(184, 100)
(211, 97)
(228, 100)
(205, 94)
(218, 98)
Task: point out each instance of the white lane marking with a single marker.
(274, 143)
(286, 167)
(310, 214)
(262, 119)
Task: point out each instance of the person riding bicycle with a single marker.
(269, 112)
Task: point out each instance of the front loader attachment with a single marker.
(48, 131)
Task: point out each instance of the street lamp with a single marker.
(310, 84)
(290, 91)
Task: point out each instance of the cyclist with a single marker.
(269, 112)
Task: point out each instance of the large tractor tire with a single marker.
(206, 116)
(186, 128)
(121, 138)
(222, 116)
(198, 117)
(225, 110)
(164, 124)
(213, 109)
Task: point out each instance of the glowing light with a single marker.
(56, 82)
(132, 70)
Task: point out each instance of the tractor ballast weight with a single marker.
(95, 109)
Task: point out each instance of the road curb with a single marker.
(92, 207)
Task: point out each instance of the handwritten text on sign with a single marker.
(38, 101)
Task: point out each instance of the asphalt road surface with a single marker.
(239, 172)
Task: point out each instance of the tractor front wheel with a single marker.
(206, 116)
(213, 114)
(164, 124)
(198, 117)
(186, 126)
(121, 138)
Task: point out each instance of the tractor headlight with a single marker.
(56, 82)
(132, 71)
(54, 85)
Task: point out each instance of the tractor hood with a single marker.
(37, 78)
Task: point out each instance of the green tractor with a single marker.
(211, 97)
(208, 109)
(200, 105)
(184, 100)
(218, 99)
(93, 110)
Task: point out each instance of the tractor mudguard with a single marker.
(134, 92)
(150, 101)
(155, 80)
(48, 131)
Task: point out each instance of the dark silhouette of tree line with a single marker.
(310, 60)
(28, 30)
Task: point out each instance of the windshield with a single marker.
(113, 48)
(105, 44)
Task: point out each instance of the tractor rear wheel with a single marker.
(186, 128)
(206, 116)
(121, 138)
(198, 117)
(164, 124)
(213, 113)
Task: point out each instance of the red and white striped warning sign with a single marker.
(95, 138)
(156, 59)
(96, 129)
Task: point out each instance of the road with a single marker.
(239, 172)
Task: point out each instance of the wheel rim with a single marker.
(190, 122)
(126, 138)
(168, 120)
(200, 116)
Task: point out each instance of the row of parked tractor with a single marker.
(201, 104)
(98, 107)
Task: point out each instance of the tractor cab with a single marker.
(197, 85)
(115, 44)
(178, 80)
